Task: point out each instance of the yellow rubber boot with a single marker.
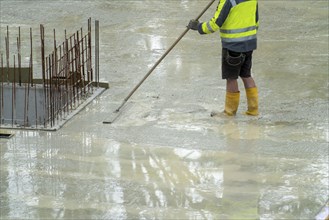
(232, 103)
(252, 99)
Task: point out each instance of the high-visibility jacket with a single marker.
(237, 22)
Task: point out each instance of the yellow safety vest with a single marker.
(239, 25)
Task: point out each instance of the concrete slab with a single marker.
(165, 158)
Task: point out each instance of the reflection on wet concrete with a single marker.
(165, 158)
(58, 177)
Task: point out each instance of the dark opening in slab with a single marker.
(3, 135)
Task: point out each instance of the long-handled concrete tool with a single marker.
(116, 115)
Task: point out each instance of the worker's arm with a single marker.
(257, 17)
(223, 9)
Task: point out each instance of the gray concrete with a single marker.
(25, 108)
(165, 158)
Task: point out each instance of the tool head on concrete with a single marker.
(117, 113)
(113, 117)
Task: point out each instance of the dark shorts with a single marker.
(235, 64)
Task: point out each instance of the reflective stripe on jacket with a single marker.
(237, 22)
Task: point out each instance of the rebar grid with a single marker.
(67, 80)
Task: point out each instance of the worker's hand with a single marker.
(193, 24)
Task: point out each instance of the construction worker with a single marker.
(237, 22)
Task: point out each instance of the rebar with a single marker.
(89, 50)
(66, 79)
(31, 77)
(97, 51)
(19, 56)
(7, 52)
(13, 106)
(2, 90)
(43, 70)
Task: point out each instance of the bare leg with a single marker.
(248, 82)
(232, 85)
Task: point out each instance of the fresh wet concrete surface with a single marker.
(165, 157)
